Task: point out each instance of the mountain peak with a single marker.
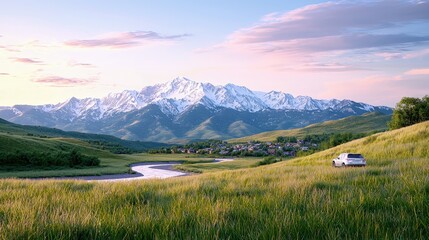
(181, 93)
(181, 79)
(73, 100)
(182, 107)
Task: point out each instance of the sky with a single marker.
(369, 51)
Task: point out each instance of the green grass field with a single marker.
(238, 163)
(365, 123)
(110, 163)
(304, 198)
(15, 137)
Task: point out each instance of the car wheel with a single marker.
(343, 165)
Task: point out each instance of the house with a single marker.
(223, 152)
(272, 151)
(289, 153)
(190, 150)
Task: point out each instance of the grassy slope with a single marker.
(24, 130)
(15, 137)
(356, 124)
(300, 199)
(238, 163)
(110, 163)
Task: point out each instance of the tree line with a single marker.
(410, 111)
(72, 158)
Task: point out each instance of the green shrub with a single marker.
(44, 159)
(268, 160)
(410, 111)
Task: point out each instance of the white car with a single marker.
(349, 159)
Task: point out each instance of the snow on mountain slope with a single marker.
(175, 96)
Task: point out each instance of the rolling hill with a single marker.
(110, 163)
(304, 198)
(366, 123)
(21, 143)
(96, 140)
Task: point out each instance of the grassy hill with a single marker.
(110, 163)
(304, 198)
(31, 139)
(96, 140)
(365, 123)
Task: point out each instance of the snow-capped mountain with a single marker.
(176, 96)
(176, 99)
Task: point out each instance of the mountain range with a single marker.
(183, 109)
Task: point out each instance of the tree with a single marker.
(410, 111)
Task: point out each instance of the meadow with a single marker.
(366, 123)
(238, 163)
(304, 198)
(20, 140)
(109, 163)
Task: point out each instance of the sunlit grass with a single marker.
(368, 122)
(238, 163)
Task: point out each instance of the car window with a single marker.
(355, 155)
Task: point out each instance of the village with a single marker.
(257, 149)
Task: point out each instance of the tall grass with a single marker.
(381, 148)
(298, 199)
(238, 163)
(365, 123)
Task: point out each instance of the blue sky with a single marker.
(369, 51)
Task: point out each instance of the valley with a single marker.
(38, 140)
(303, 197)
(41, 140)
(244, 197)
(235, 120)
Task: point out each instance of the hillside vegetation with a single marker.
(369, 122)
(27, 151)
(297, 199)
(109, 163)
(410, 111)
(105, 142)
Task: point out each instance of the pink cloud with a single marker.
(342, 28)
(9, 49)
(403, 55)
(416, 54)
(78, 64)
(418, 71)
(55, 81)
(390, 55)
(27, 60)
(125, 40)
(318, 67)
(337, 19)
